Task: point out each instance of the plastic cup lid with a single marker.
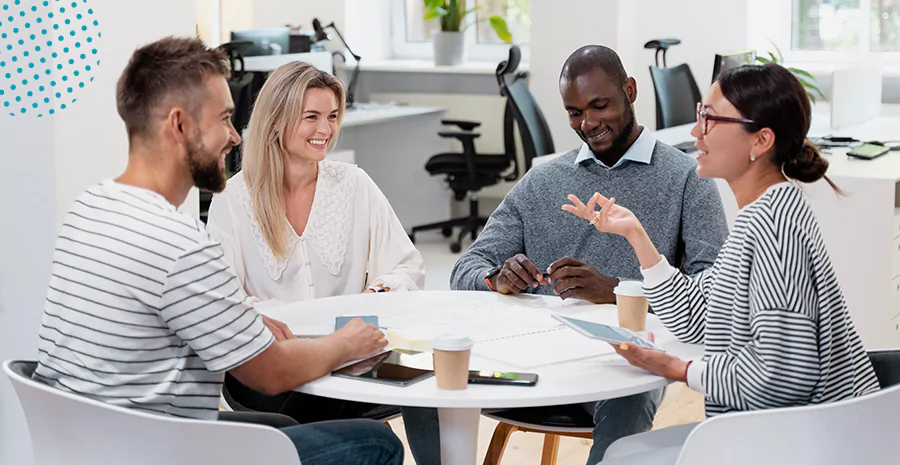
(629, 289)
(451, 343)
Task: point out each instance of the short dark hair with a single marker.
(173, 66)
(774, 98)
(591, 57)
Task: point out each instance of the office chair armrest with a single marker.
(463, 136)
(468, 142)
(464, 125)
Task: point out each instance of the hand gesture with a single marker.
(611, 218)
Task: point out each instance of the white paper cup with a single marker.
(632, 305)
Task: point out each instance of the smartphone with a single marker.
(341, 321)
(868, 151)
(503, 377)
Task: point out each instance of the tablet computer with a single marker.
(387, 368)
(611, 334)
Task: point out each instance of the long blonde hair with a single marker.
(276, 113)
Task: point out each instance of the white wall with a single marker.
(368, 28)
(47, 163)
(277, 13)
(26, 248)
(556, 32)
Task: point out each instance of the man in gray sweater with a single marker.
(530, 235)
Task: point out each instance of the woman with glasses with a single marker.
(770, 311)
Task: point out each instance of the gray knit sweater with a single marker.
(682, 214)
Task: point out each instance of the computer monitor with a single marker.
(272, 41)
(731, 60)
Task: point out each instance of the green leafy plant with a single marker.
(452, 13)
(808, 80)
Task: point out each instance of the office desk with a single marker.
(861, 231)
(392, 144)
(585, 380)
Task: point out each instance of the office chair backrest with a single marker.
(524, 110)
(858, 430)
(676, 95)
(69, 429)
(887, 366)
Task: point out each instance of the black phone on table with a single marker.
(387, 368)
(503, 378)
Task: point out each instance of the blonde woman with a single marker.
(295, 226)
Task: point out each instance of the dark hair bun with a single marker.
(807, 166)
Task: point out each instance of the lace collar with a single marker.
(329, 224)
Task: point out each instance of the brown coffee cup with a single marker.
(632, 305)
(451, 362)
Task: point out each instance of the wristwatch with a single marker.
(490, 275)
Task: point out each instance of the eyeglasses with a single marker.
(703, 119)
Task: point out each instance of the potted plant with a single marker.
(449, 43)
(806, 79)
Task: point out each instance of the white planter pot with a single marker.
(449, 48)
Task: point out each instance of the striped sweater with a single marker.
(770, 312)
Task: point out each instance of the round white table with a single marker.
(581, 380)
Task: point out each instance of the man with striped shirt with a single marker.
(142, 310)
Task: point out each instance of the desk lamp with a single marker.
(321, 35)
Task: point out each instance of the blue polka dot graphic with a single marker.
(43, 42)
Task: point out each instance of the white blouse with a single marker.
(353, 241)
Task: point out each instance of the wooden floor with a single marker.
(681, 405)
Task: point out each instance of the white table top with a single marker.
(373, 113)
(584, 380)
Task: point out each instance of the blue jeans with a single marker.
(617, 418)
(336, 442)
(340, 442)
(421, 424)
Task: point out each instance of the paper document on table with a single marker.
(560, 345)
(480, 323)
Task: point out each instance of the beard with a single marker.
(618, 144)
(204, 165)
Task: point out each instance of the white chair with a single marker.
(68, 429)
(861, 430)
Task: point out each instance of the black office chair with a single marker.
(469, 172)
(676, 90)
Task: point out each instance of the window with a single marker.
(412, 33)
(846, 26)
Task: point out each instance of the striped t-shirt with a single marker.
(770, 312)
(142, 310)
